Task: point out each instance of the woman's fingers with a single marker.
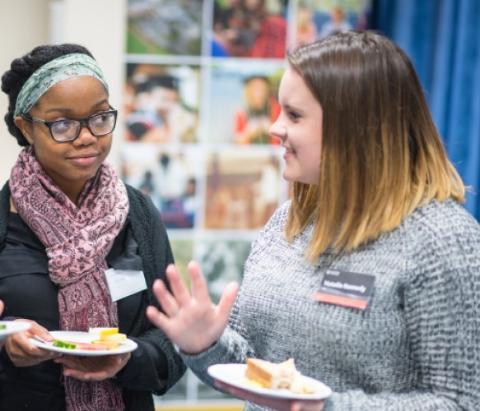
(307, 406)
(226, 302)
(190, 321)
(179, 289)
(37, 330)
(275, 403)
(158, 319)
(23, 353)
(85, 376)
(165, 299)
(90, 369)
(199, 285)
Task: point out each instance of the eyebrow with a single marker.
(293, 108)
(64, 110)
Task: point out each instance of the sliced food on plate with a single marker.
(284, 375)
(104, 338)
(265, 378)
(95, 342)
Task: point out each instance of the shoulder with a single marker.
(445, 221)
(4, 209)
(135, 196)
(444, 236)
(139, 202)
(5, 198)
(143, 214)
(278, 220)
(272, 233)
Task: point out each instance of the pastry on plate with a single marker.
(278, 375)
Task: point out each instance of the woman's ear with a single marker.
(25, 127)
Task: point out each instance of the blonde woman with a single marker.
(376, 204)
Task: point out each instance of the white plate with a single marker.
(82, 337)
(234, 375)
(13, 327)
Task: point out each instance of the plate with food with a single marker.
(278, 380)
(95, 342)
(12, 327)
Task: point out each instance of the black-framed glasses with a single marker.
(66, 129)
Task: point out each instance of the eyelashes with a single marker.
(293, 115)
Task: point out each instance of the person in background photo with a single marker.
(252, 123)
(158, 114)
(249, 28)
(65, 219)
(337, 23)
(306, 29)
(376, 208)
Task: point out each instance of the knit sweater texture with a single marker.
(415, 348)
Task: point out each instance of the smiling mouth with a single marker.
(84, 161)
(86, 155)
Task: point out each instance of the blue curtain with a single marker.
(442, 37)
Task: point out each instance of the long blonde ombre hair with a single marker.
(382, 156)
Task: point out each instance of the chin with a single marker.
(296, 179)
(288, 178)
(84, 175)
(292, 177)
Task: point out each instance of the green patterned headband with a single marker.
(51, 73)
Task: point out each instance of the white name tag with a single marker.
(123, 283)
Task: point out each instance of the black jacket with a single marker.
(154, 366)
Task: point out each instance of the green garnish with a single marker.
(64, 344)
(3, 326)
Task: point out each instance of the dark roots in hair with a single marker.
(22, 68)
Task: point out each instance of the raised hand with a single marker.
(189, 318)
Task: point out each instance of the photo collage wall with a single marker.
(200, 95)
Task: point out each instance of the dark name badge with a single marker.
(347, 289)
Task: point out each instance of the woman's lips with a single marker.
(85, 161)
(288, 153)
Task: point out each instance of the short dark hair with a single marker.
(22, 68)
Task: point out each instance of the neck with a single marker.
(13, 208)
(72, 191)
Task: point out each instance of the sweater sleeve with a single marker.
(442, 312)
(155, 365)
(232, 347)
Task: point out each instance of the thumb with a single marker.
(38, 330)
(226, 302)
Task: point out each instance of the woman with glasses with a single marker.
(68, 225)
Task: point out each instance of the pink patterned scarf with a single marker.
(77, 240)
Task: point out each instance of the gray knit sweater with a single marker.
(416, 346)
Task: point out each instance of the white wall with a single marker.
(100, 25)
(23, 25)
(97, 24)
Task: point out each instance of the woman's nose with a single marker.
(278, 131)
(85, 137)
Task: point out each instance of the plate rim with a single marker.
(272, 393)
(131, 346)
(20, 326)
